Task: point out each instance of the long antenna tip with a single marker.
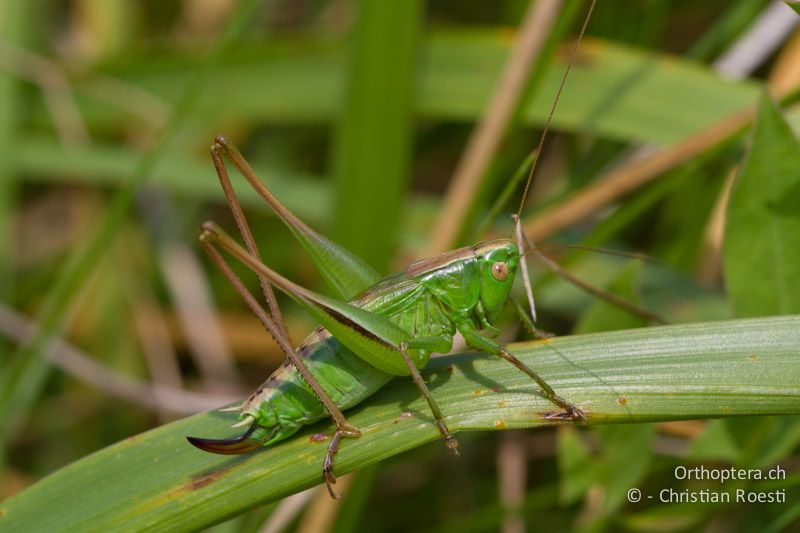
(549, 119)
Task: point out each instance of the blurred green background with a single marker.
(356, 114)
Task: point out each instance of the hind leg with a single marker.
(333, 448)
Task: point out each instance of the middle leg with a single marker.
(451, 441)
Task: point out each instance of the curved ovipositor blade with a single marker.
(241, 444)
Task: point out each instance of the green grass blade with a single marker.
(22, 380)
(15, 30)
(615, 91)
(105, 164)
(372, 156)
(762, 259)
(730, 24)
(156, 480)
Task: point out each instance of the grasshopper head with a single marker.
(497, 261)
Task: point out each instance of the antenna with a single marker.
(553, 107)
(519, 237)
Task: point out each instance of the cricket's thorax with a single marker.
(429, 299)
(472, 282)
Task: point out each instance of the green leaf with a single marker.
(762, 256)
(615, 90)
(604, 316)
(626, 457)
(715, 444)
(372, 156)
(156, 480)
(730, 23)
(577, 468)
(15, 30)
(104, 164)
(763, 441)
(22, 380)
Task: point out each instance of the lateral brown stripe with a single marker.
(424, 266)
(353, 325)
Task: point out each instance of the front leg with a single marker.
(487, 326)
(476, 340)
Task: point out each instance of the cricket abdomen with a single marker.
(285, 403)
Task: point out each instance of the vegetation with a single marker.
(356, 114)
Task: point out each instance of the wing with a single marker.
(408, 304)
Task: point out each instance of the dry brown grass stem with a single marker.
(487, 135)
(85, 369)
(631, 175)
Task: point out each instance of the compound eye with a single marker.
(500, 271)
